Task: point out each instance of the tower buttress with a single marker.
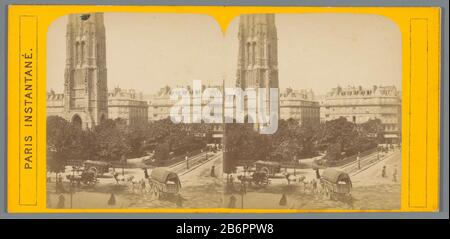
(258, 53)
(85, 85)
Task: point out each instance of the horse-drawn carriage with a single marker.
(269, 167)
(257, 179)
(164, 182)
(87, 172)
(337, 184)
(97, 167)
(260, 178)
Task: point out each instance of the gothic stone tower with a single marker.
(258, 56)
(85, 86)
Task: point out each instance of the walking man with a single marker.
(383, 172)
(314, 185)
(394, 175)
(359, 161)
(112, 200)
(179, 201)
(283, 200)
(213, 174)
(232, 202)
(317, 173)
(61, 201)
(231, 183)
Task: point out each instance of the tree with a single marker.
(286, 142)
(308, 131)
(373, 129)
(334, 152)
(295, 140)
(111, 145)
(371, 134)
(135, 138)
(236, 139)
(65, 141)
(162, 152)
(56, 128)
(341, 136)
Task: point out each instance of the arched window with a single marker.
(82, 51)
(248, 53)
(254, 53)
(102, 118)
(77, 53)
(76, 120)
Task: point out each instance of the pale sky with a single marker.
(315, 51)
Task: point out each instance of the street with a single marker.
(370, 190)
(198, 188)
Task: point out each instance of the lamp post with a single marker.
(71, 186)
(243, 191)
(124, 161)
(295, 163)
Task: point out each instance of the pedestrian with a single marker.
(79, 182)
(243, 187)
(232, 202)
(112, 200)
(59, 184)
(143, 186)
(49, 202)
(179, 201)
(146, 173)
(61, 201)
(287, 178)
(187, 161)
(394, 175)
(383, 172)
(213, 174)
(283, 200)
(231, 183)
(314, 185)
(359, 161)
(317, 173)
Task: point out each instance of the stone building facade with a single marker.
(160, 103)
(358, 105)
(127, 105)
(124, 104)
(55, 104)
(299, 105)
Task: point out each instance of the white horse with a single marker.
(294, 178)
(133, 183)
(118, 178)
(309, 186)
(121, 178)
(301, 180)
(320, 188)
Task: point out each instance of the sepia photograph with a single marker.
(280, 111)
(110, 140)
(338, 140)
